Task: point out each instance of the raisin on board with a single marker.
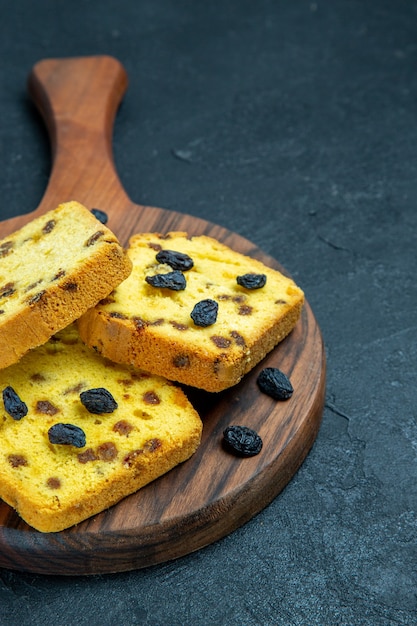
(176, 260)
(14, 406)
(100, 215)
(173, 280)
(251, 281)
(67, 435)
(275, 383)
(204, 312)
(98, 401)
(242, 441)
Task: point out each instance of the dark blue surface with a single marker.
(293, 123)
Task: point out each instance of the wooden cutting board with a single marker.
(214, 492)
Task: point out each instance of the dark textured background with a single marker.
(293, 123)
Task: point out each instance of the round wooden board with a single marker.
(214, 492)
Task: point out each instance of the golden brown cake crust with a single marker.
(152, 329)
(54, 486)
(51, 271)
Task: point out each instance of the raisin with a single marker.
(86, 456)
(108, 300)
(5, 248)
(123, 427)
(107, 451)
(173, 280)
(100, 215)
(176, 260)
(157, 322)
(92, 240)
(251, 281)
(117, 315)
(150, 397)
(181, 360)
(59, 275)
(75, 389)
(46, 407)
(275, 383)
(221, 342)
(178, 326)
(242, 441)
(240, 341)
(14, 406)
(98, 401)
(67, 435)
(33, 285)
(70, 286)
(126, 382)
(17, 460)
(152, 444)
(205, 312)
(245, 309)
(53, 482)
(139, 323)
(130, 458)
(8, 290)
(36, 298)
(37, 377)
(49, 226)
(154, 246)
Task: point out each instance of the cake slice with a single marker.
(51, 271)
(79, 433)
(194, 311)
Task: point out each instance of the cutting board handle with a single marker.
(78, 99)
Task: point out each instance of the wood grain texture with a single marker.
(214, 492)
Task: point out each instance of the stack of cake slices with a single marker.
(95, 343)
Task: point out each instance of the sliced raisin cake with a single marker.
(51, 271)
(193, 310)
(79, 433)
